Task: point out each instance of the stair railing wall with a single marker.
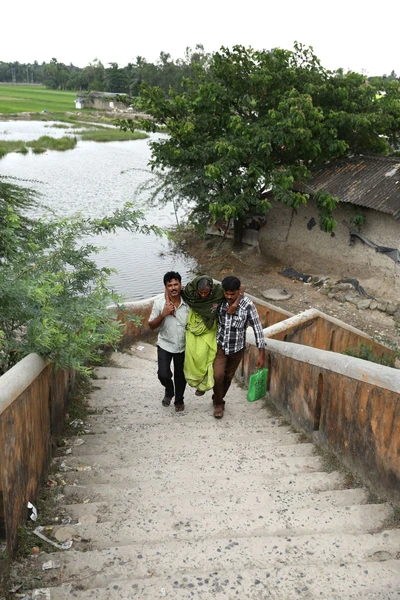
(33, 400)
(348, 404)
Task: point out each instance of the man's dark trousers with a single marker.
(225, 366)
(177, 386)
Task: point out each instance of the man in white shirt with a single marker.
(170, 316)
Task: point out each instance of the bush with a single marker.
(53, 296)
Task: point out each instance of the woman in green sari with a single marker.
(204, 298)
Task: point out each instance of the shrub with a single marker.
(53, 295)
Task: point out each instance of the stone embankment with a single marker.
(350, 292)
(180, 505)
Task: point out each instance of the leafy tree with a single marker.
(56, 75)
(253, 122)
(93, 77)
(116, 79)
(53, 295)
(192, 60)
(165, 73)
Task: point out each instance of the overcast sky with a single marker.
(353, 35)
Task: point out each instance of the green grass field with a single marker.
(34, 98)
(15, 99)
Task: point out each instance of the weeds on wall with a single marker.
(365, 352)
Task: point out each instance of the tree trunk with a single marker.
(238, 229)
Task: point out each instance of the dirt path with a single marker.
(216, 258)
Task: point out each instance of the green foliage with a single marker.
(112, 135)
(12, 146)
(366, 353)
(358, 220)
(249, 123)
(53, 295)
(116, 79)
(45, 142)
(38, 146)
(57, 76)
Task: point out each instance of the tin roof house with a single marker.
(100, 101)
(366, 241)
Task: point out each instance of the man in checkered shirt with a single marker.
(231, 340)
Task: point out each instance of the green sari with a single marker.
(201, 334)
(201, 348)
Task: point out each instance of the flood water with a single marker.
(95, 179)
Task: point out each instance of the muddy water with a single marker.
(95, 179)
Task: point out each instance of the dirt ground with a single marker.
(216, 258)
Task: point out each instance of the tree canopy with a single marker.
(165, 72)
(251, 122)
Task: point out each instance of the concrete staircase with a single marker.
(180, 505)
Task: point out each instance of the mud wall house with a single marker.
(368, 225)
(100, 101)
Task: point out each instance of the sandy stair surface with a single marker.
(181, 505)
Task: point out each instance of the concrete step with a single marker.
(188, 524)
(306, 482)
(150, 436)
(138, 504)
(131, 391)
(130, 359)
(132, 450)
(159, 416)
(99, 567)
(171, 424)
(148, 402)
(168, 418)
(165, 470)
(326, 581)
(200, 450)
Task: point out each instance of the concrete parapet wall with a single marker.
(318, 330)
(269, 314)
(349, 404)
(33, 400)
(141, 309)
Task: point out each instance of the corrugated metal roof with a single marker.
(105, 95)
(370, 181)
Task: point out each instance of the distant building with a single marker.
(100, 101)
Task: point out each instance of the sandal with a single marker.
(219, 411)
(199, 393)
(166, 401)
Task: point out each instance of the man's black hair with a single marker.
(231, 283)
(170, 276)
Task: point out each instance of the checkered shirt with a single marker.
(231, 333)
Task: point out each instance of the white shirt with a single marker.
(172, 334)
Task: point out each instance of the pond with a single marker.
(95, 179)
